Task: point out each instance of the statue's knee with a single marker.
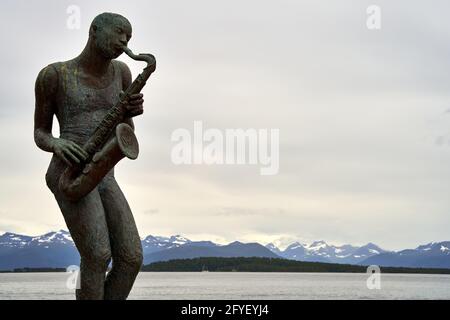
(136, 260)
(140, 260)
(131, 261)
(98, 260)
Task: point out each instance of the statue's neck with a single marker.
(92, 61)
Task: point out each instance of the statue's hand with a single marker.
(69, 151)
(135, 105)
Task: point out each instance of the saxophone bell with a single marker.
(78, 182)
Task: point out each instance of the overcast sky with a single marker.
(364, 117)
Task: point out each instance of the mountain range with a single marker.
(320, 251)
(57, 250)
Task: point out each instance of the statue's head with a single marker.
(109, 32)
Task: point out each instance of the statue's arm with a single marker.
(45, 91)
(126, 82)
(136, 101)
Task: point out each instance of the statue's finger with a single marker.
(69, 153)
(136, 96)
(136, 102)
(137, 112)
(136, 108)
(63, 158)
(78, 153)
(80, 150)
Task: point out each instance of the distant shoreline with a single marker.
(257, 264)
(37, 270)
(252, 264)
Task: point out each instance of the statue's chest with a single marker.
(80, 98)
(80, 103)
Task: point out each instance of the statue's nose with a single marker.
(123, 40)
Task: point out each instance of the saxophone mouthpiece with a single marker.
(147, 57)
(127, 51)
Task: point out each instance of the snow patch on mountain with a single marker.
(323, 252)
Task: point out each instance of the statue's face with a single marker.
(112, 36)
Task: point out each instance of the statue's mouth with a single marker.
(119, 49)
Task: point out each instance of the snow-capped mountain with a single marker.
(320, 251)
(53, 249)
(210, 249)
(431, 255)
(152, 244)
(12, 240)
(435, 248)
(273, 248)
(57, 250)
(60, 237)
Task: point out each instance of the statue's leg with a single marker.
(125, 242)
(87, 225)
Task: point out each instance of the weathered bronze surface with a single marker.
(94, 99)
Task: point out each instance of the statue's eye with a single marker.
(119, 30)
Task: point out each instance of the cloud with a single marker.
(359, 113)
(240, 211)
(151, 211)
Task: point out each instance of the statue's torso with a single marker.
(79, 108)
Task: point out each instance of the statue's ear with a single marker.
(92, 30)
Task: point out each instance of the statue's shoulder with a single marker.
(52, 71)
(48, 79)
(125, 72)
(49, 72)
(122, 66)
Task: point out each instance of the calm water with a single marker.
(237, 285)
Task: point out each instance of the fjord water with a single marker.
(240, 285)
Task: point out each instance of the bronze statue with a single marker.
(94, 100)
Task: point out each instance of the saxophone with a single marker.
(104, 153)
